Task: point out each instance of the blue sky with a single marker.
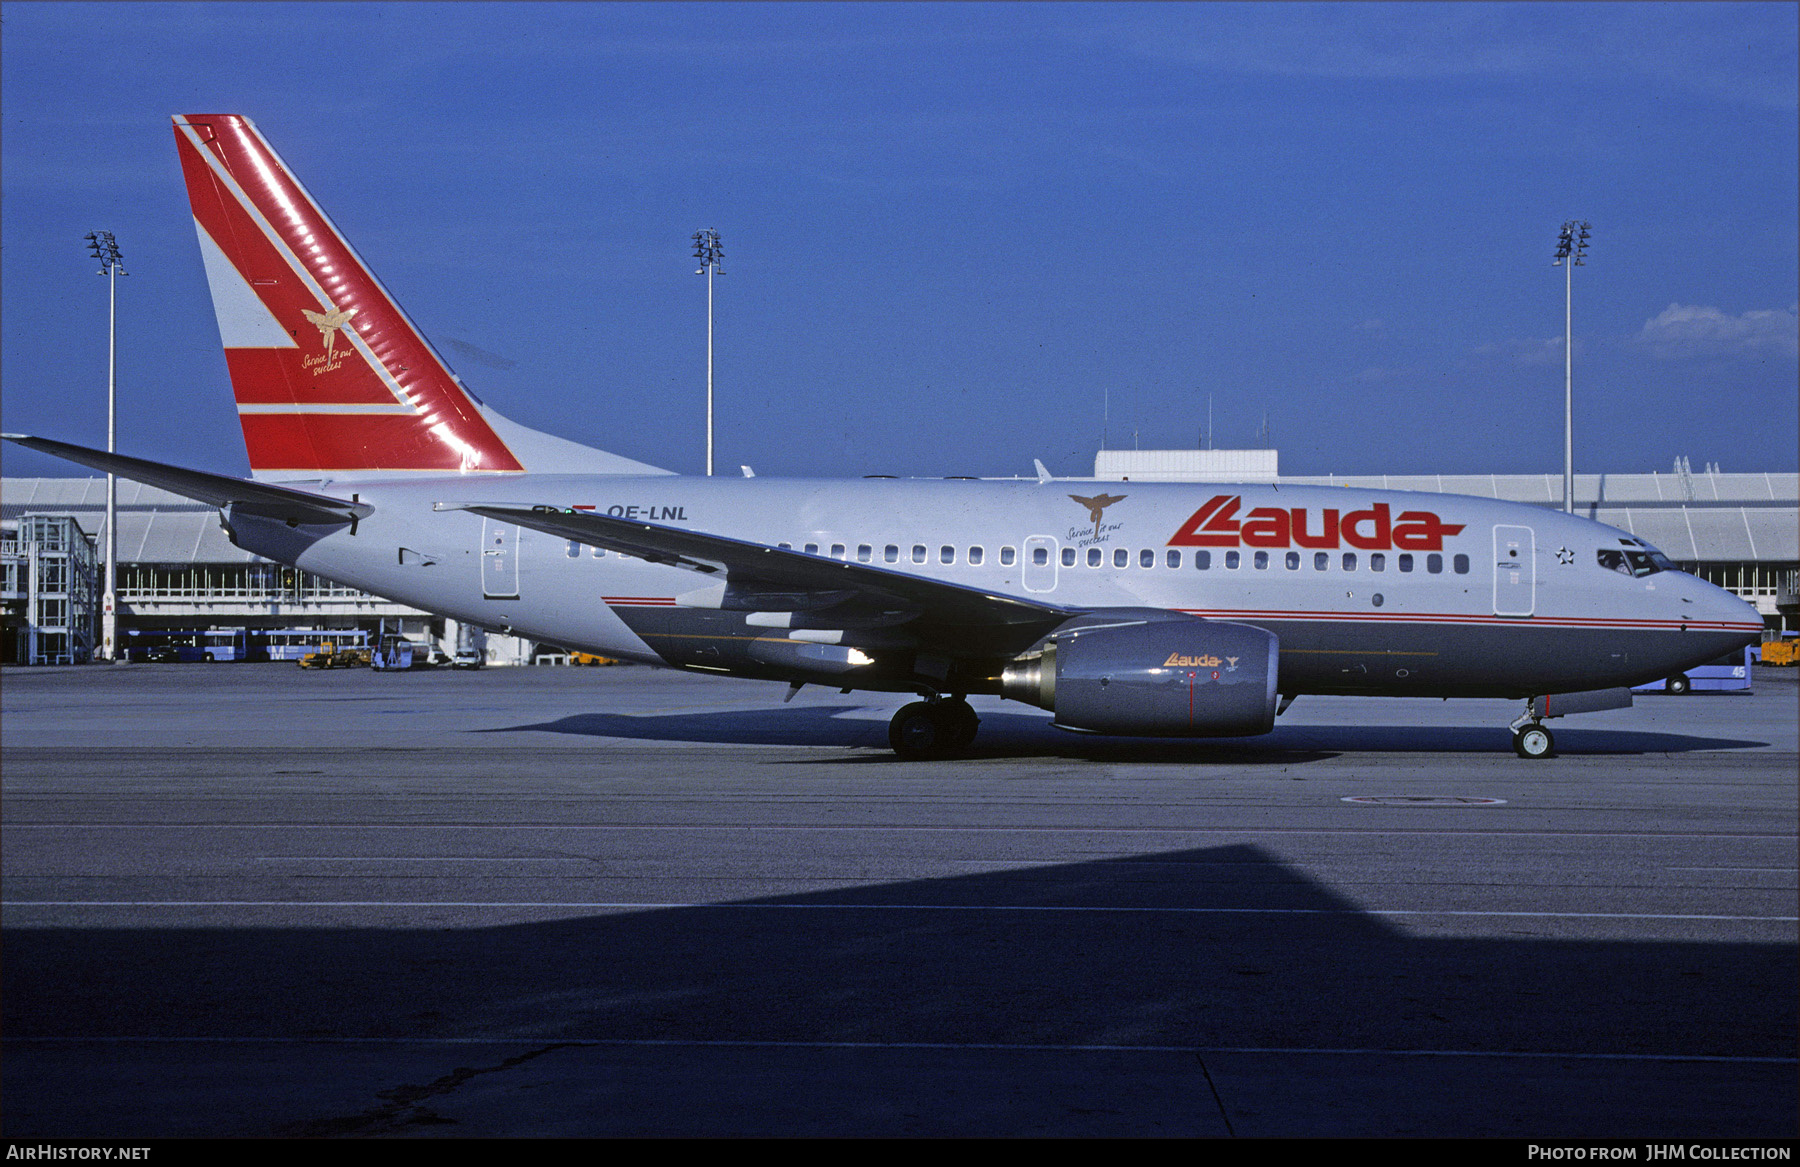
(957, 237)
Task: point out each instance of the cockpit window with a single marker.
(1633, 562)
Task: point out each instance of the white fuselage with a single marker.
(1369, 591)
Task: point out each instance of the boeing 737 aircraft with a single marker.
(1164, 609)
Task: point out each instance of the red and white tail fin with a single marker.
(330, 376)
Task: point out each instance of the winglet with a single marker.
(1043, 474)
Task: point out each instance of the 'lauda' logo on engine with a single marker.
(1217, 525)
(1204, 661)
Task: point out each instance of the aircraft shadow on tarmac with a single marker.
(1006, 735)
(1150, 994)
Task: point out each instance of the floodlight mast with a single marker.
(1571, 253)
(104, 248)
(710, 254)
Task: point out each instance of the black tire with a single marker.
(1534, 741)
(961, 721)
(1678, 685)
(209, 658)
(919, 732)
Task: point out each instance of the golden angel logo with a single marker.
(1097, 505)
(328, 324)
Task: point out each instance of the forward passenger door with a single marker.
(1515, 572)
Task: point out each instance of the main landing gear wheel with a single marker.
(925, 729)
(962, 722)
(1533, 741)
(1678, 685)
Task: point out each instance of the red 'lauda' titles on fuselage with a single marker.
(1217, 525)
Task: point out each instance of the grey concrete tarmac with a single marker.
(251, 900)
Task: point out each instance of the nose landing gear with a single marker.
(936, 728)
(1529, 737)
(1533, 741)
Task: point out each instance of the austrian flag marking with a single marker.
(1217, 524)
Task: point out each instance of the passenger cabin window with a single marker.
(1434, 563)
(1349, 561)
(574, 549)
(812, 548)
(1262, 561)
(946, 554)
(1293, 561)
(1321, 561)
(1068, 557)
(837, 551)
(1173, 559)
(1203, 560)
(918, 553)
(1232, 559)
(864, 553)
(1377, 562)
(1007, 555)
(890, 554)
(975, 556)
(1121, 557)
(1093, 557)
(1405, 563)
(1147, 558)
(1040, 556)
(1461, 564)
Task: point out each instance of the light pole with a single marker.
(710, 254)
(1571, 253)
(104, 248)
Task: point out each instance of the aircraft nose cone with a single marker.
(1714, 606)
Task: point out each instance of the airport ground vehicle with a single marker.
(331, 655)
(295, 643)
(191, 644)
(1156, 609)
(395, 653)
(1781, 652)
(1729, 673)
(163, 646)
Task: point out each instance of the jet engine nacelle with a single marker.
(1151, 673)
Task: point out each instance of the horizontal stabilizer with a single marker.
(760, 566)
(255, 498)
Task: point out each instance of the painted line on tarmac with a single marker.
(622, 905)
(1003, 1047)
(902, 828)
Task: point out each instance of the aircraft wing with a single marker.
(256, 498)
(754, 569)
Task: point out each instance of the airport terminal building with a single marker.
(179, 577)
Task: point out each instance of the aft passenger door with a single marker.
(499, 560)
(1038, 573)
(1515, 572)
